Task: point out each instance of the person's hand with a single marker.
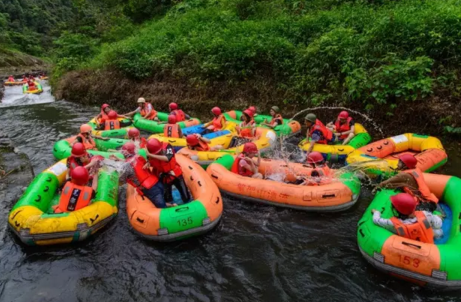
(198, 135)
(113, 157)
(337, 134)
(146, 166)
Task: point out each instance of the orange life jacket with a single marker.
(201, 146)
(171, 130)
(144, 178)
(165, 167)
(180, 115)
(88, 143)
(218, 122)
(73, 198)
(152, 113)
(326, 133)
(102, 117)
(111, 125)
(278, 118)
(419, 231)
(246, 128)
(236, 167)
(426, 194)
(343, 127)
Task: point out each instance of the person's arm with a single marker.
(180, 133)
(207, 124)
(248, 165)
(397, 181)
(100, 137)
(187, 116)
(352, 130)
(204, 139)
(382, 222)
(159, 157)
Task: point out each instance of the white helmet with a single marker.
(141, 100)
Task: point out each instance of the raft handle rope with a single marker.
(182, 209)
(411, 245)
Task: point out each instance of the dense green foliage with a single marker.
(372, 51)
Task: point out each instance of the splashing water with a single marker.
(15, 97)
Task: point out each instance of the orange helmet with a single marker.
(85, 128)
(80, 176)
(404, 203)
(154, 146)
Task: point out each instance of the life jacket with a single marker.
(32, 86)
(88, 143)
(246, 128)
(419, 231)
(326, 133)
(426, 194)
(171, 130)
(180, 115)
(201, 146)
(144, 178)
(102, 117)
(151, 115)
(165, 167)
(218, 122)
(278, 118)
(10, 79)
(343, 127)
(111, 124)
(236, 167)
(74, 197)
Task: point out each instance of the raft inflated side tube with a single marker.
(265, 142)
(154, 127)
(38, 90)
(15, 83)
(329, 197)
(116, 133)
(32, 218)
(62, 149)
(338, 153)
(199, 129)
(435, 265)
(169, 224)
(382, 157)
(289, 127)
(216, 138)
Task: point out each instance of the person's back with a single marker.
(76, 194)
(172, 129)
(112, 122)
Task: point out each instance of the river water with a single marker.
(256, 253)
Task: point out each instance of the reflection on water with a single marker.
(258, 253)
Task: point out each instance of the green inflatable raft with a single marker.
(155, 127)
(33, 220)
(433, 264)
(289, 127)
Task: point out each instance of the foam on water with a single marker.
(14, 96)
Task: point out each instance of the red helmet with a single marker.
(129, 148)
(253, 109)
(173, 106)
(249, 113)
(216, 110)
(133, 133)
(250, 148)
(172, 119)
(80, 176)
(112, 115)
(192, 140)
(404, 203)
(343, 115)
(315, 158)
(78, 150)
(409, 160)
(154, 146)
(104, 106)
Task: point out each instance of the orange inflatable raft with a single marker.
(338, 194)
(196, 217)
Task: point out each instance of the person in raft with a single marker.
(31, 77)
(317, 133)
(135, 173)
(171, 128)
(416, 225)
(102, 116)
(218, 123)
(86, 138)
(146, 109)
(343, 128)
(411, 180)
(112, 122)
(276, 120)
(31, 85)
(11, 79)
(135, 136)
(254, 110)
(162, 159)
(25, 79)
(199, 143)
(76, 193)
(247, 128)
(244, 164)
(79, 157)
(180, 115)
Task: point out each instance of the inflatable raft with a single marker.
(155, 127)
(116, 133)
(37, 90)
(289, 127)
(15, 83)
(382, 157)
(196, 217)
(337, 195)
(435, 265)
(266, 139)
(34, 222)
(338, 153)
(62, 149)
(216, 138)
